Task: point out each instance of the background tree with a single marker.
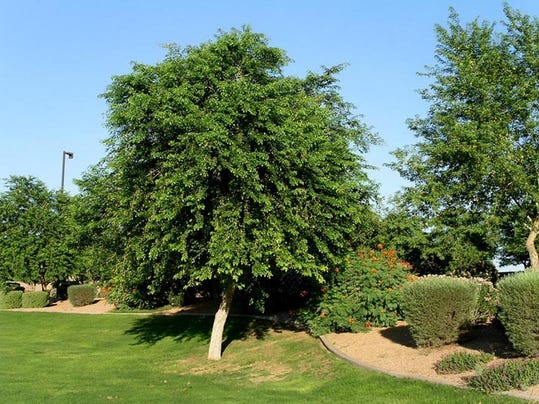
(36, 232)
(228, 170)
(446, 247)
(478, 152)
(98, 243)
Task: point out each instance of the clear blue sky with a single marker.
(57, 56)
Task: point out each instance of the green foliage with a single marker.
(433, 246)
(59, 288)
(513, 374)
(11, 300)
(519, 310)
(487, 301)
(473, 167)
(283, 292)
(37, 243)
(176, 299)
(35, 299)
(141, 290)
(364, 292)
(99, 242)
(81, 295)
(437, 309)
(225, 169)
(459, 362)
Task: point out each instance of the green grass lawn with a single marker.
(75, 358)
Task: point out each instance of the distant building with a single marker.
(509, 270)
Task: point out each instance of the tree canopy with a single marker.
(228, 169)
(37, 243)
(478, 151)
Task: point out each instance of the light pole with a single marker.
(70, 155)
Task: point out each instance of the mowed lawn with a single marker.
(76, 358)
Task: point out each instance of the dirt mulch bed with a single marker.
(392, 351)
(99, 306)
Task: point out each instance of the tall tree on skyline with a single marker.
(478, 148)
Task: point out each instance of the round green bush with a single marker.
(11, 300)
(81, 295)
(35, 299)
(519, 310)
(364, 292)
(438, 309)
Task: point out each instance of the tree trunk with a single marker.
(43, 282)
(530, 245)
(219, 321)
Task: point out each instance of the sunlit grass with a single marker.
(62, 358)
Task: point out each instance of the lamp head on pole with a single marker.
(70, 155)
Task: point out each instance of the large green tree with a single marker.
(229, 170)
(37, 233)
(478, 153)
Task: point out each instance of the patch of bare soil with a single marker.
(99, 306)
(392, 351)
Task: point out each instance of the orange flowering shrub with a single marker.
(363, 293)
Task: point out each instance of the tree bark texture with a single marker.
(530, 245)
(219, 321)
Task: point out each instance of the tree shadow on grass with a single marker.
(151, 329)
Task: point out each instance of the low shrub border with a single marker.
(11, 300)
(459, 362)
(514, 374)
(35, 299)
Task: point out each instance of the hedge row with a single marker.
(16, 299)
(35, 299)
(519, 311)
(78, 295)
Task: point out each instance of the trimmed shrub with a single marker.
(487, 300)
(514, 374)
(35, 299)
(438, 309)
(11, 300)
(459, 362)
(81, 295)
(59, 288)
(364, 292)
(519, 310)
